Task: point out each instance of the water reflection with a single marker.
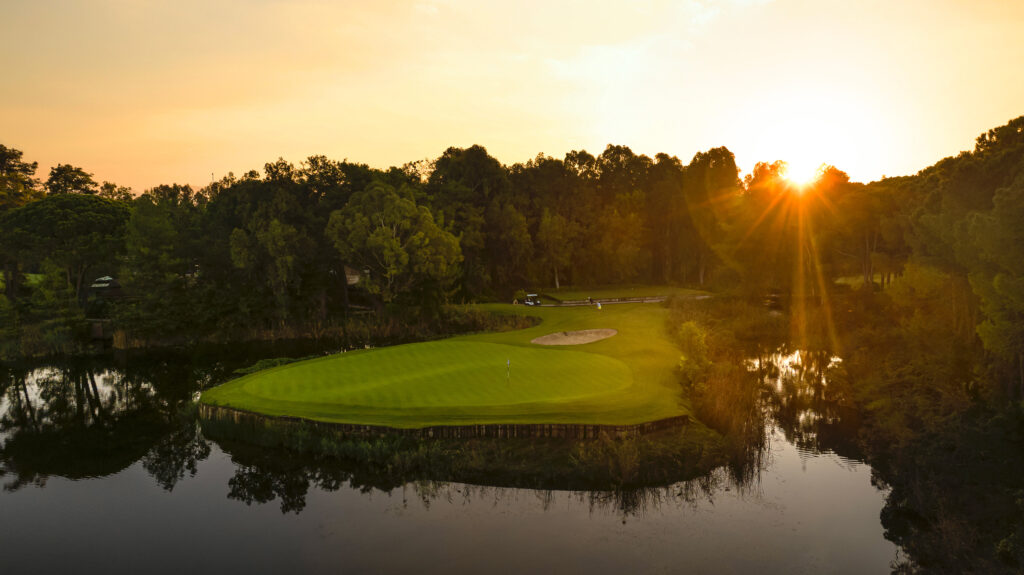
(805, 394)
(75, 421)
(264, 475)
(94, 418)
(122, 457)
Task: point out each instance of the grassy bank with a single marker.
(628, 378)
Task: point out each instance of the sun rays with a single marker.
(786, 204)
(802, 173)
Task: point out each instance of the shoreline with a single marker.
(474, 431)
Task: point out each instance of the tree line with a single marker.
(921, 277)
(281, 247)
(278, 248)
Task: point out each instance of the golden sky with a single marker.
(150, 92)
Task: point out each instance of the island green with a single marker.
(485, 378)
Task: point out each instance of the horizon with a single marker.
(143, 95)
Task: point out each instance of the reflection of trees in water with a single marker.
(179, 451)
(86, 418)
(265, 475)
(92, 418)
(75, 395)
(805, 394)
(801, 393)
(796, 391)
(623, 502)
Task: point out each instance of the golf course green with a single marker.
(484, 378)
(620, 291)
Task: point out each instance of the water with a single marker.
(102, 474)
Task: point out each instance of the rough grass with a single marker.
(30, 280)
(464, 380)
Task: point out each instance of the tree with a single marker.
(78, 233)
(554, 243)
(619, 249)
(285, 246)
(508, 244)
(999, 280)
(482, 176)
(8, 329)
(154, 271)
(273, 253)
(711, 178)
(54, 314)
(17, 184)
(328, 185)
(266, 260)
(402, 252)
(68, 179)
(460, 189)
(112, 191)
(620, 171)
(667, 217)
(762, 238)
(17, 188)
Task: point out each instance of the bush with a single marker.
(694, 362)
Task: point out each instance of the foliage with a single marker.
(694, 361)
(68, 179)
(8, 329)
(53, 318)
(81, 234)
(112, 191)
(17, 185)
(396, 243)
(554, 243)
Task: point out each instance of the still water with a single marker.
(102, 473)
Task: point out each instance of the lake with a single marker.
(103, 472)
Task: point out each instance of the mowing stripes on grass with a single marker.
(484, 378)
(453, 373)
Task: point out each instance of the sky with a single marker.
(143, 93)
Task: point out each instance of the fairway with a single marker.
(484, 378)
(611, 292)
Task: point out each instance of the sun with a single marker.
(802, 172)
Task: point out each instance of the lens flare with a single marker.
(802, 173)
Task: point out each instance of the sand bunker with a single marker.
(574, 337)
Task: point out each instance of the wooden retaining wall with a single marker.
(490, 430)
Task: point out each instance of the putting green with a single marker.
(484, 378)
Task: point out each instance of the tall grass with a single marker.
(726, 396)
